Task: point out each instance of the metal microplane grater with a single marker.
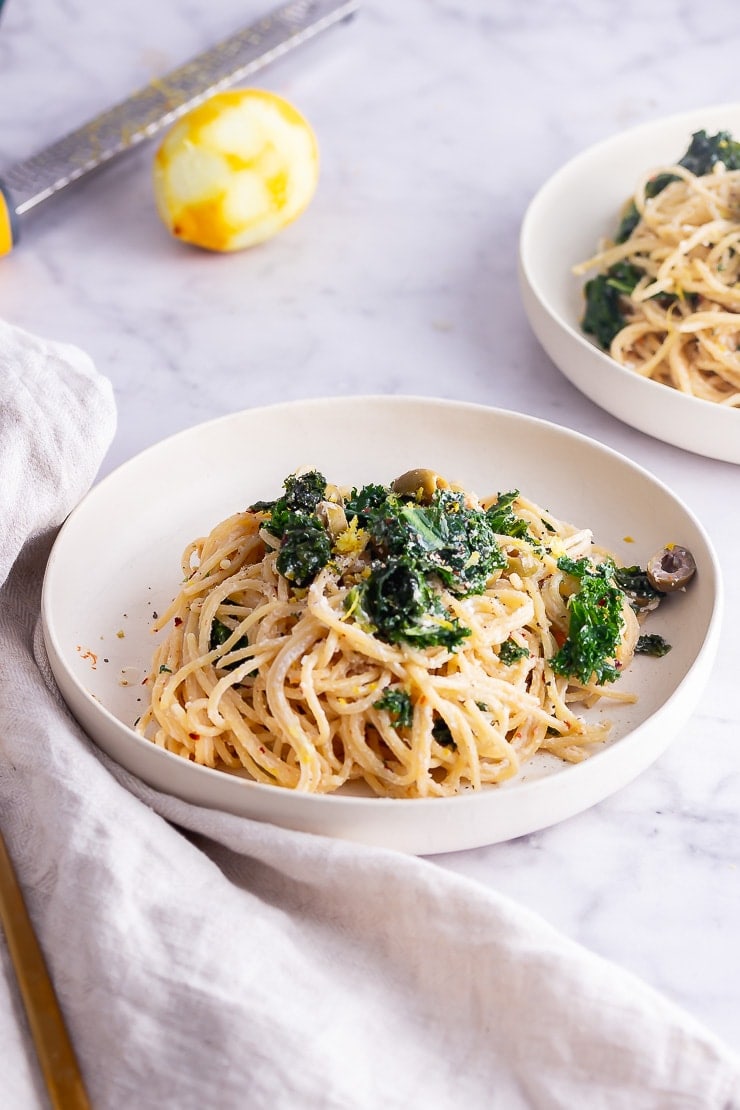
(27, 184)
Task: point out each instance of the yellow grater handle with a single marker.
(8, 222)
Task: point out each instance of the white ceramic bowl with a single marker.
(117, 560)
(563, 224)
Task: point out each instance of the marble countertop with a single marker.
(437, 122)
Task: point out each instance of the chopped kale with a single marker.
(220, 633)
(576, 567)
(455, 542)
(397, 703)
(595, 623)
(379, 513)
(510, 651)
(623, 277)
(634, 582)
(443, 538)
(305, 544)
(603, 317)
(706, 150)
(628, 223)
(366, 502)
(652, 644)
(302, 494)
(413, 548)
(304, 550)
(503, 519)
(402, 606)
(441, 733)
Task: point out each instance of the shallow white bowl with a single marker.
(117, 560)
(563, 225)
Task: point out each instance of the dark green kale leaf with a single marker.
(366, 502)
(629, 221)
(706, 150)
(397, 703)
(634, 582)
(220, 633)
(652, 644)
(441, 733)
(305, 544)
(452, 541)
(623, 277)
(402, 606)
(510, 651)
(379, 512)
(302, 494)
(304, 550)
(414, 548)
(444, 538)
(503, 519)
(595, 623)
(604, 317)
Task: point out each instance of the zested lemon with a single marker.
(235, 170)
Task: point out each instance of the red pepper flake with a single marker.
(194, 735)
(89, 655)
(262, 749)
(178, 622)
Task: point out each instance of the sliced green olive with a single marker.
(419, 483)
(672, 568)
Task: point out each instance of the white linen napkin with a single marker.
(204, 960)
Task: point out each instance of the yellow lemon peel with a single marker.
(235, 170)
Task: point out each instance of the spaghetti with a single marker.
(311, 674)
(666, 303)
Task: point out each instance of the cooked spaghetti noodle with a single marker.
(677, 278)
(295, 686)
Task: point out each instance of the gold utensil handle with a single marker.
(56, 1055)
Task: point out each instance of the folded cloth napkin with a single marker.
(203, 960)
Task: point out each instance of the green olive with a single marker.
(419, 483)
(671, 568)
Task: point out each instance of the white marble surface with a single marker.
(437, 122)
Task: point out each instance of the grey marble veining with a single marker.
(437, 122)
